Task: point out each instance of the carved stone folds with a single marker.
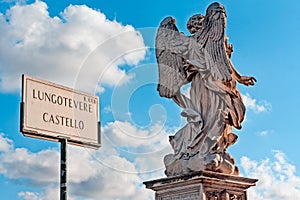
(203, 185)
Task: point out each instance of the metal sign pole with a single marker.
(63, 169)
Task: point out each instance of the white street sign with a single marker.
(51, 111)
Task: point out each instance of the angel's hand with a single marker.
(247, 80)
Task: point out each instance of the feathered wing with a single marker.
(212, 39)
(172, 50)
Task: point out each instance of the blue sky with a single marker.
(106, 48)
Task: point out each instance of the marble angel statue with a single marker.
(214, 104)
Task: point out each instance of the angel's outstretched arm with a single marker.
(246, 80)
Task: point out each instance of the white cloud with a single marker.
(107, 109)
(50, 192)
(146, 147)
(257, 107)
(5, 143)
(150, 166)
(104, 174)
(147, 140)
(29, 196)
(277, 178)
(91, 173)
(35, 168)
(265, 132)
(79, 49)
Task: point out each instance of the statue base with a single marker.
(202, 185)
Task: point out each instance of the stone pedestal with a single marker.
(203, 185)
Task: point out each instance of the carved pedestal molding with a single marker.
(203, 185)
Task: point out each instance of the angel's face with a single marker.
(195, 23)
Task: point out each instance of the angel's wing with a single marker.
(212, 38)
(172, 52)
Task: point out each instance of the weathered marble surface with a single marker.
(203, 185)
(214, 104)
